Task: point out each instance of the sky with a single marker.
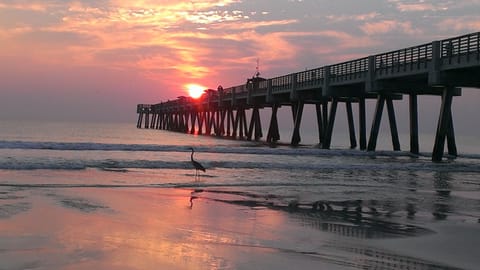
(94, 60)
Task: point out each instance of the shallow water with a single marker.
(337, 207)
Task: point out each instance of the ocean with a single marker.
(349, 194)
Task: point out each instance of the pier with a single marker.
(439, 68)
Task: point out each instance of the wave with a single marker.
(123, 166)
(83, 146)
(361, 160)
(241, 148)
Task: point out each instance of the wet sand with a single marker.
(159, 228)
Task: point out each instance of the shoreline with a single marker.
(151, 228)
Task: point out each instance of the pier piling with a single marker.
(413, 108)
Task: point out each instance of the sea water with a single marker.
(97, 154)
(388, 193)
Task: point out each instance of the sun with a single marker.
(195, 90)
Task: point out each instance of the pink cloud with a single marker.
(31, 6)
(460, 24)
(358, 17)
(386, 26)
(163, 46)
(423, 5)
(415, 7)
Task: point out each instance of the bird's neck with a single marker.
(191, 156)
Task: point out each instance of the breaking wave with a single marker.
(403, 161)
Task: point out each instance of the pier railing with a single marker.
(385, 65)
(282, 83)
(144, 108)
(413, 58)
(461, 46)
(350, 70)
(310, 78)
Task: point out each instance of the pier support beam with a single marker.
(363, 123)
(230, 122)
(182, 122)
(161, 119)
(297, 121)
(140, 120)
(240, 123)
(244, 121)
(157, 121)
(217, 129)
(201, 121)
(413, 104)
(377, 118)
(321, 128)
(236, 124)
(452, 146)
(372, 142)
(331, 122)
(152, 123)
(445, 126)
(211, 123)
(206, 119)
(325, 121)
(223, 114)
(351, 124)
(255, 125)
(393, 125)
(147, 120)
(193, 119)
(273, 134)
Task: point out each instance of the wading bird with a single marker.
(197, 165)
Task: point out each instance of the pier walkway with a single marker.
(437, 68)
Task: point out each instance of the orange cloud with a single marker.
(25, 6)
(415, 7)
(190, 39)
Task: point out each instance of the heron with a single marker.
(196, 164)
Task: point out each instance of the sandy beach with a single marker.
(163, 228)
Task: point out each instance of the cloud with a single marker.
(19, 5)
(161, 45)
(387, 26)
(469, 23)
(416, 7)
(422, 5)
(55, 39)
(353, 17)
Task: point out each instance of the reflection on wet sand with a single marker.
(347, 219)
(161, 228)
(443, 188)
(370, 258)
(357, 226)
(355, 218)
(10, 209)
(12, 203)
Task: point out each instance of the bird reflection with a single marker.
(193, 196)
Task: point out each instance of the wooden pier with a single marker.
(438, 68)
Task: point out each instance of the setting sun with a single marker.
(195, 90)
